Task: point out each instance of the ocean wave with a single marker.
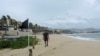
(80, 38)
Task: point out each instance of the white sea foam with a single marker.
(80, 38)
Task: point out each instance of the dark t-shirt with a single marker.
(45, 36)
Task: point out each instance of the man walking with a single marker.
(46, 37)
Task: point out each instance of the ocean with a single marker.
(85, 36)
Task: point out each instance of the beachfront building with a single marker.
(6, 28)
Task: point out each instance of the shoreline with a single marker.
(81, 38)
(60, 45)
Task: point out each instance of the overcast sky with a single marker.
(54, 13)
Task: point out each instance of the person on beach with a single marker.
(46, 37)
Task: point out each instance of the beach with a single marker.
(65, 46)
(59, 45)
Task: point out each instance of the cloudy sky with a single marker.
(54, 13)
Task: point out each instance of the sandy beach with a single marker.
(59, 45)
(65, 46)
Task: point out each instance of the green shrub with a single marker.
(21, 42)
(4, 44)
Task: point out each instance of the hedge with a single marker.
(21, 42)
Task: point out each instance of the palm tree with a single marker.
(1, 24)
(30, 25)
(8, 17)
(10, 20)
(4, 21)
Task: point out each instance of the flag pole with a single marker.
(25, 25)
(29, 50)
(17, 28)
(28, 37)
(28, 32)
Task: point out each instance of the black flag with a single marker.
(25, 24)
